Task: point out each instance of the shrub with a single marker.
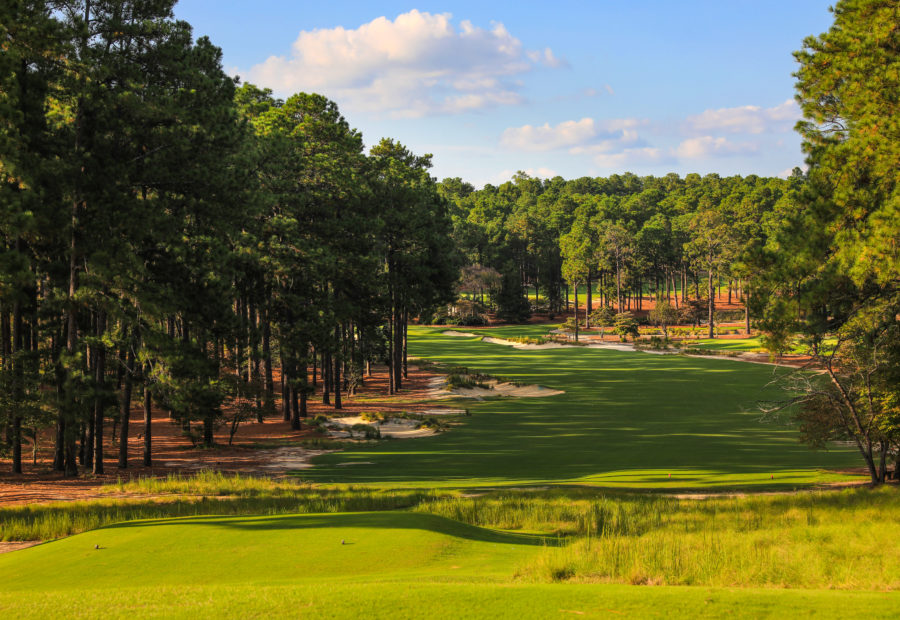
(626, 326)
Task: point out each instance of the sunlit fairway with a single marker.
(626, 420)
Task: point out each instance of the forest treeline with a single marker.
(171, 237)
(174, 238)
(624, 236)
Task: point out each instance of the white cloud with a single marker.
(643, 156)
(787, 172)
(538, 173)
(580, 137)
(745, 119)
(546, 57)
(418, 64)
(707, 146)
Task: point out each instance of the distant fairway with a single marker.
(392, 565)
(626, 420)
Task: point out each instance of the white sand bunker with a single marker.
(444, 411)
(522, 345)
(397, 428)
(593, 344)
(505, 389)
(459, 334)
(439, 390)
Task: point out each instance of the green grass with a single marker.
(534, 330)
(627, 420)
(809, 540)
(417, 547)
(400, 564)
(750, 345)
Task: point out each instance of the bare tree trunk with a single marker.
(326, 378)
(619, 287)
(18, 378)
(148, 421)
(336, 381)
(405, 327)
(125, 410)
(747, 311)
(590, 303)
(712, 305)
(267, 358)
(576, 311)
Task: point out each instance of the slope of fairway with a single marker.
(268, 549)
(391, 565)
(627, 419)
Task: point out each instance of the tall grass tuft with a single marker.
(811, 540)
(207, 493)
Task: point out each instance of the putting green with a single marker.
(392, 565)
(626, 420)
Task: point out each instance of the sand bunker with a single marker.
(521, 345)
(459, 334)
(397, 428)
(439, 390)
(506, 389)
(444, 411)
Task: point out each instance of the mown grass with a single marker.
(626, 420)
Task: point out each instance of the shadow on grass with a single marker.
(367, 520)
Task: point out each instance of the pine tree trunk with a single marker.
(267, 360)
(712, 305)
(326, 378)
(303, 387)
(125, 411)
(100, 380)
(747, 313)
(590, 303)
(148, 422)
(576, 311)
(618, 287)
(405, 344)
(336, 382)
(18, 392)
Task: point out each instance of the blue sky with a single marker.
(567, 88)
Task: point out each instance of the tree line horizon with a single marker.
(172, 236)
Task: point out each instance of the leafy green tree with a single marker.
(663, 315)
(626, 325)
(832, 264)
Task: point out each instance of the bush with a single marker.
(626, 326)
(368, 431)
(658, 344)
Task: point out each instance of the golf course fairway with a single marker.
(626, 420)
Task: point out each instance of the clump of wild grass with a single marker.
(455, 380)
(527, 339)
(207, 493)
(812, 540)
